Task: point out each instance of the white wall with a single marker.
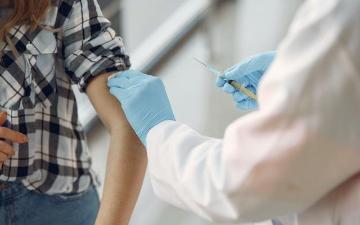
(237, 30)
(141, 17)
(262, 24)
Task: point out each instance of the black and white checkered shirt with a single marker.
(36, 92)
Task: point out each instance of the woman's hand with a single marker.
(7, 135)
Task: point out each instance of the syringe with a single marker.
(235, 84)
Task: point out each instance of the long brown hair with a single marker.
(26, 12)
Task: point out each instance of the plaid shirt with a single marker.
(36, 92)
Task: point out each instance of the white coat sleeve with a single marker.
(302, 143)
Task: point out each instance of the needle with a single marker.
(235, 84)
(209, 68)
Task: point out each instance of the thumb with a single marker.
(220, 81)
(119, 93)
(3, 116)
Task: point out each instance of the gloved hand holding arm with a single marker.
(248, 73)
(143, 99)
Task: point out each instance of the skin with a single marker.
(8, 136)
(126, 160)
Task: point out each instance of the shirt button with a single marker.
(30, 48)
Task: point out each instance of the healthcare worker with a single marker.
(295, 158)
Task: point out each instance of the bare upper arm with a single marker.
(106, 105)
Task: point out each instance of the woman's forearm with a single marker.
(125, 172)
(126, 160)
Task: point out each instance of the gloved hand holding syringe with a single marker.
(241, 80)
(235, 84)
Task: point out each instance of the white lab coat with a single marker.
(298, 156)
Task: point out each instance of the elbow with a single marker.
(269, 184)
(216, 207)
(253, 208)
(236, 212)
(262, 195)
(267, 201)
(237, 218)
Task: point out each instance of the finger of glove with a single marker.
(127, 79)
(129, 73)
(119, 93)
(254, 78)
(252, 89)
(247, 104)
(124, 82)
(119, 82)
(228, 88)
(243, 80)
(239, 96)
(220, 81)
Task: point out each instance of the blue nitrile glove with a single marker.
(248, 73)
(143, 99)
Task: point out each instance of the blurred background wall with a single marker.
(231, 31)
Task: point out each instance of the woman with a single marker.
(46, 177)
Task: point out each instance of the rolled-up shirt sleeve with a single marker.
(90, 46)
